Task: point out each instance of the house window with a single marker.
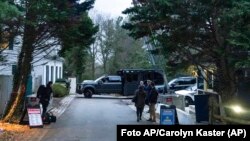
(14, 69)
(47, 74)
(52, 73)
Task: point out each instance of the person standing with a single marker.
(139, 100)
(45, 97)
(152, 101)
(148, 89)
(141, 84)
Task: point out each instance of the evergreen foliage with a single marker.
(205, 33)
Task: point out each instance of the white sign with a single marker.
(35, 118)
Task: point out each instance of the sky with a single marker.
(110, 8)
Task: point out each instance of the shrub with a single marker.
(59, 90)
(64, 82)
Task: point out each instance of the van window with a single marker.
(182, 82)
(135, 77)
(128, 77)
(158, 79)
(189, 81)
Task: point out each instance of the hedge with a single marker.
(59, 90)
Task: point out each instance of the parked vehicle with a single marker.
(189, 93)
(104, 84)
(125, 82)
(132, 77)
(181, 83)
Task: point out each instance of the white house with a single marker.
(46, 65)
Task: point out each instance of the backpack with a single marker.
(48, 118)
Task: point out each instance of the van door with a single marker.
(131, 82)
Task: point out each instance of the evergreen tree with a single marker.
(44, 20)
(8, 24)
(204, 33)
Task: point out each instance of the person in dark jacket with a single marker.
(44, 94)
(152, 101)
(139, 100)
(148, 89)
(49, 89)
(41, 90)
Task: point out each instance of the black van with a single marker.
(132, 77)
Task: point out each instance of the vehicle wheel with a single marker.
(188, 101)
(88, 93)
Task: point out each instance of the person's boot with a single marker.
(138, 119)
(149, 119)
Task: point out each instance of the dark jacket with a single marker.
(153, 96)
(45, 97)
(41, 91)
(148, 89)
(140, 96)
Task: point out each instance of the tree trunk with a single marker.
(225, 72)
(93, 58)
(226, 89)
(105, 66)
(15, 107)
(93, 68)
(226, 83)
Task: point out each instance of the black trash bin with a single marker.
(202, 106)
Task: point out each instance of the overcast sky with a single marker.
(112, 8)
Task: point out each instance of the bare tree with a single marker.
(105, 39)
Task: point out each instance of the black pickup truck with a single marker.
(104, 84)
(125, 82)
